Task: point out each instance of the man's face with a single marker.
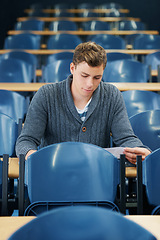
(85, 79)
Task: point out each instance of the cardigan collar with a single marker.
(70, 102)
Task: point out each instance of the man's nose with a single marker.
(90, 82)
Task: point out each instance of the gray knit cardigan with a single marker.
(53, 118)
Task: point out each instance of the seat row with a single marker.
(146, 104)
(67, 25)
(21, 66)
(76, 173)
(64, 40)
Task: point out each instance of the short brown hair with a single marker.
(91, 53)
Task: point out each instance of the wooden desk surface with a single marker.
(154, 73)
(8, 225)
(83, 33)
(77, 10)
(80, 19)
(53, 51)
(33, 87)
(151, 223)
(13, 169)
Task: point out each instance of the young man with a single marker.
(81, 108)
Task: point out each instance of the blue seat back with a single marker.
(124, 71)
(19, 54)
(63, 13)
(147, 41)
(72, 171)
(63, 25)
(1, 166)
(137, 101)
(131, 25)
(38, 13)
(32, 24)
(9, 134)
(13, 104)
(88, 14)
(111, 5)
(95, 25)
(146, 125)
(153, 59)
(130, 38)
(24, 56)
(151, 177)
(59, 56)
(23, 41)
(109, 41)
(114, 13)
(86, 5)
(56, 71)
(15, 70)
(112, 56)
(63, 41)
(82, 222)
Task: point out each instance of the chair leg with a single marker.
(21, 185)
(122, 185)
(4, 211)
(158, 77)
(139, 186)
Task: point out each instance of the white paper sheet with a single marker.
(116, 151)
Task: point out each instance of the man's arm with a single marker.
(34, 125)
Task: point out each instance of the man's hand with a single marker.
(29, 153)
(131, 153)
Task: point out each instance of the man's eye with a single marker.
(84, 76)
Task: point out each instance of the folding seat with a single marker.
(147, 41)
(75, 173)
(113, 56)
(146, 126)
(59, 56)
(23, 41)
(153, 60)
(38, 13)
(114, 13)
(31, 24)
(109, 41)
(24, 56)
(131, 25)
(82, 222)
(149, 177)
(137, 101)
(88, 13)
(111, 5)
(13, 104)
(63, 41)
(124, 71)
(15, 70)
(63, 25)
(56, 71)
(129, 38)
(9, 134)
(95, 25)
(63, 13)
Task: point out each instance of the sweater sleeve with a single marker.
(35, 124)
(122, 132)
